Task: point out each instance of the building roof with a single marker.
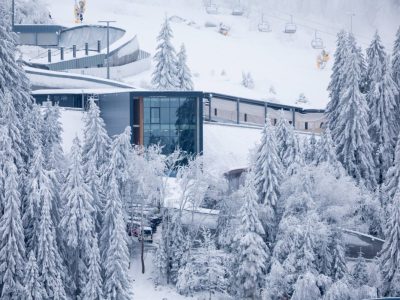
(38, 28)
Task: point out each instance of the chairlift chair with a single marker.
(317, 42)
(290, 27)
(264, 26)
(238, 10)
(212, 9)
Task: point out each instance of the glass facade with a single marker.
(63, 100)
(170, 121)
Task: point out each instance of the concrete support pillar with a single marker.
(238, 111)
(74, 51)
(62, 53)
(98, 46)
(86, 48)
(49, 55)
(293, 118)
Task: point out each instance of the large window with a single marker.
(170, 121)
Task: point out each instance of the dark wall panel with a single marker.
(115, 110)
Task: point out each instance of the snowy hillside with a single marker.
(285, 62)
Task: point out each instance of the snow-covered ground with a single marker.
(286, 62)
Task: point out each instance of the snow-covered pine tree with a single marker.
(339, 268)
(32, 12)
(176, 247)
(268, 175)
(354, 149)
(33, 288)
(165, 76)
(337, 77)
(306, 288)
(95, 153)
(12, 246)
(184, 74)
(114, 246)
(340, 290)
(396, 60)
(187, 278)
(292, 158)
(359, 273)
(36, 180)
(310, 154)
(283, 132)
(389, 188)
(376, 57)
(161, 261)
(247, 80)
(381, 98)
(326, 153)
(390, 255)
(51, 268)
(93, 290)
(251, 254)
(77, 219)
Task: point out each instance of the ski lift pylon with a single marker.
(264, 26)
(317, 42)
(290, 27)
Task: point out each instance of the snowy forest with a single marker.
(65, 217)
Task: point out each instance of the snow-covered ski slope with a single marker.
(286, 62)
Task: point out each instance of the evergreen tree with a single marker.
(389, 188)
(337, 80)
(268, 175)
(396, 60)
(161, 261)
(359, 274)
(310, 152)
(48, 256)
(114, 246)
(184, 74)
(77, 221)
(339, 268)
(326, 153)
(292, 158)
(283, 132)
(306, 288)
(340, 290)
(382, 107)
(95, 155)
(176, 247)
(165, 76)
(250, 251)
(93, 289)
(12, 247)
(350, 133)
(390, 254)
(33, 288)
(376, 57)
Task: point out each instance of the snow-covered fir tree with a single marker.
(359, 273)
(183, 72)
(306, 288)
(339, 267)
(33, 288)
(381, 97)
(268, 175)
(95, 153)
(390, 186)
(77, 219)
(31, 12)
(251, 254)
(12, 246)
(114, 245)
(390, 254)
(310, 151)
(283, 133)
(326, 153)
(176, 246)
(93, 290)
(292, 157)
(340, 290)
(354, 149)
(247, 80)
(165, 76)
(337, 79)
(187, 278)
(396, 59)
(51, 268)
(161, 261)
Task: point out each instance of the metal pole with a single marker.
(108, 46)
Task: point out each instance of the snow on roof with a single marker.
(82, 91)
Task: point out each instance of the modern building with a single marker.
(175, 118)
